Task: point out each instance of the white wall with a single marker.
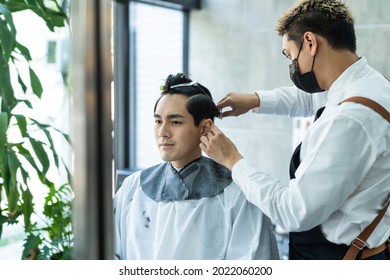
(233, 47)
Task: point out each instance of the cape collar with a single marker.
(201, 178)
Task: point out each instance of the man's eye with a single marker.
(286, 55)
(157, 121)
(176, 122)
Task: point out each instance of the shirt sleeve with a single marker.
(289, 101)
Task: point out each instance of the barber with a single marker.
(340, 173)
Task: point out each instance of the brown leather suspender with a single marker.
(359, 243)
(371, 104)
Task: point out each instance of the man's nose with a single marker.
(164, 130)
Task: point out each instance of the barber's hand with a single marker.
(240, 103)
(220, 148)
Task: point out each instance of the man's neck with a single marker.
(335, 64)
(180, 165)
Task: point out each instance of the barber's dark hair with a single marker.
(200, 103)
(330, 19)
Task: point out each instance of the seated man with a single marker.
(187, 207)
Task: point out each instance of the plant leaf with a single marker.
(3, 220)
(30, 246)
(44, 127)
(27, 102)
(7, 32)
(4, 169)
(17, 5)
(3, 145)
(3, 132)
(21, 83)
(27, 155)
(13, 192)
(56, 19)
(22, 124)
(3, 9)
(35, 83)
(23, 51)
(6, 39)
(51, 146)
(40, 153)
(28, 207)
(6, 89)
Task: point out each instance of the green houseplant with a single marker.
(23, 155)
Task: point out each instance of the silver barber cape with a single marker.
(194, 213)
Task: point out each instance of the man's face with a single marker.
(291, 51)
(175, 133)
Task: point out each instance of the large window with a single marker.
(157, 35)
(150, 42)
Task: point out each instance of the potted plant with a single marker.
(27, 149)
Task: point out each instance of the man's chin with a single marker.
(166, 157)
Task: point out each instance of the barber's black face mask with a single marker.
(306, 82)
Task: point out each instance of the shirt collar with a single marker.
(339, 89)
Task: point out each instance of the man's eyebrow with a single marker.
(171, 116)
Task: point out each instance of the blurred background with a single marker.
(118, 53)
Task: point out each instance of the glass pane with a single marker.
(158, 36)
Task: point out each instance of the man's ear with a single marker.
(205, 126)
(311, 39)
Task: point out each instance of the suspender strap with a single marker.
(360, 242)
(371, 104)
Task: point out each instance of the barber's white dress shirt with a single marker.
(343, 180)
(224, 226)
